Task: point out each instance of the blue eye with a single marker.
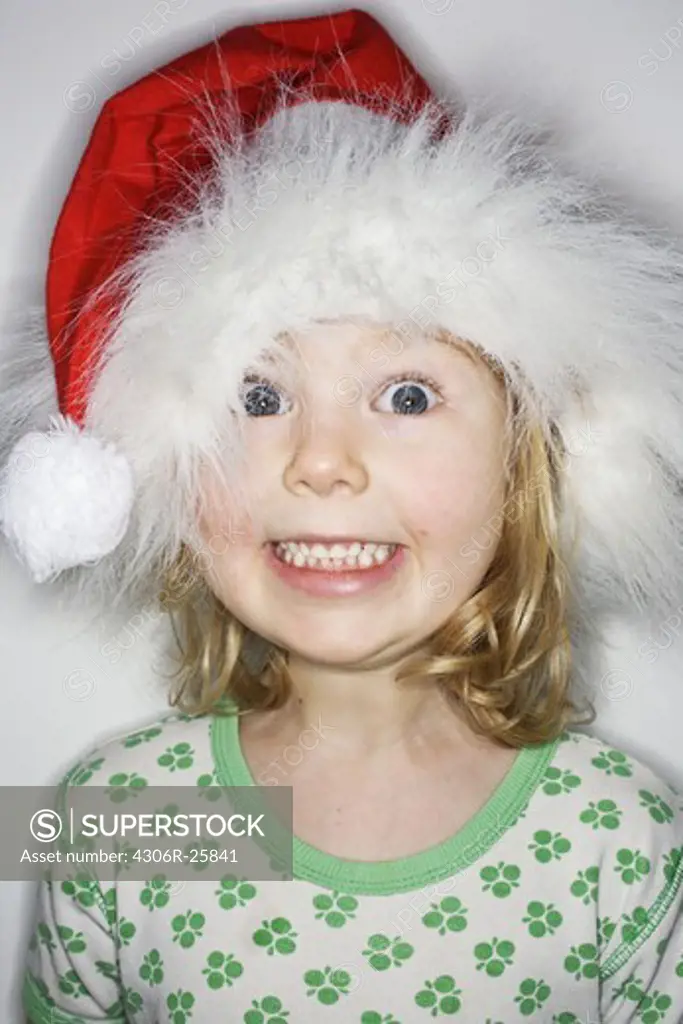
(410, 397)
(261, 398)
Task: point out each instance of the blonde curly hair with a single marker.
(503, 657)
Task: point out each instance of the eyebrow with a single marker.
(443, 337)
(474, 353)
(452, 341)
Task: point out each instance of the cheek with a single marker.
(238, 511)
(226, 563)
(222, 520)
(452, 494)
(226, 530)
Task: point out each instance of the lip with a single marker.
(335, 582)
(320, 538)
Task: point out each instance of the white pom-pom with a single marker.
(65, 498)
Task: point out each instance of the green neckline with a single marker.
(476, 837)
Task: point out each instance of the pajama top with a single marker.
(559, 902)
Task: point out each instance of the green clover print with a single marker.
(181, 756)
(494, 956)
(500, 879)
(335, 909)
(585, 885)
(152, 969)
(221, 969)
(383, 952)
(372, 1017)
(556, 781)
(532, 995)
(84, 772)
(448, 915)
(180, 1004)
(613, 762)
(234, 892)
(327, 985)
(659, 810)
(141, 736)
(549, 846)
(603, 814)
(542, 919)
(582, 961)
(277, 936)
(631, 865)
(441, 996)
(633, 924)
(268, 1010)
(156, 893)
(187, 928)
(74, 942)
(122, 786)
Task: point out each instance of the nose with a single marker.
(325, 458)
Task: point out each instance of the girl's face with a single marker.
(378, 440)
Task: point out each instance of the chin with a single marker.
(335, 650)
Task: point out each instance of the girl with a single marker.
(383, 408)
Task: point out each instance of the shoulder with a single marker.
(631, 821)
(604, 772)
(170, 748)
(633, 816)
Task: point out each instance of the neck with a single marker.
(359, 713)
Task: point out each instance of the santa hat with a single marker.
(302, 170)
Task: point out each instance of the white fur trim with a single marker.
(332, 212)
(65, 499)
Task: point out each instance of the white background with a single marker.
(610, 73)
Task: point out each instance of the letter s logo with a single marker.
(46, 825)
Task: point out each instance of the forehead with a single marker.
(349, 336)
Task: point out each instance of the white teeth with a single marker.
(355, 555)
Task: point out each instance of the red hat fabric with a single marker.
(145, 148)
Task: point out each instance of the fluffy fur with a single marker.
(333, 212)
(75, 494)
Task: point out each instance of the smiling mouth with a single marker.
(338, 555)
